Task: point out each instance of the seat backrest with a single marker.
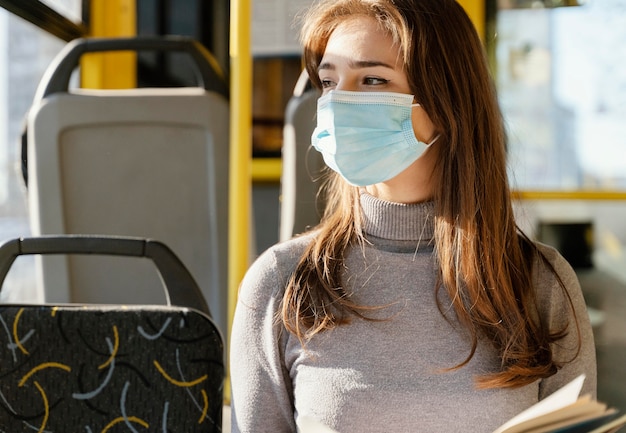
(78, 368)
(302, 165)
(151, 163)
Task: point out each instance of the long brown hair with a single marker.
(485, 261)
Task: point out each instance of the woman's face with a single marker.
(360, 57)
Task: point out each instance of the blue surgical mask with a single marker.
(366, 137)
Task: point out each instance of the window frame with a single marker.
(48, 19)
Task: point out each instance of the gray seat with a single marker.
(302, 165)
(94, 366)
(150, 163)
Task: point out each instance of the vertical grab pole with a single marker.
(476, 11)
(111, 18)
(240, 183)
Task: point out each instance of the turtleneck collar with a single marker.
(397, 221)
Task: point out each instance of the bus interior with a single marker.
(230, 72)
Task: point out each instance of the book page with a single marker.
(583, 410)
(565, 396)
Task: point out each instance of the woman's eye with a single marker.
(327, 83)
(374, 81)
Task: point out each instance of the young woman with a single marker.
(416, 305)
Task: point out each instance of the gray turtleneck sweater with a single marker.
(389, 375)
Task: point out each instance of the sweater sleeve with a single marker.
(260, 383)
(555, 305)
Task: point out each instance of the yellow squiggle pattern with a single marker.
(205, 406)
(178, 382)
(116, 346)
(15, 336)
(46, 406)
(41, 367)
(122, 419)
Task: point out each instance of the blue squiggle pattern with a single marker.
(166, 408)
(10, 345)
(147, 336)
(95, 392)
(123, 408)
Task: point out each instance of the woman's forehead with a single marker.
(362, 38)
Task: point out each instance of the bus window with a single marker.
(25, 53)
(562, 86)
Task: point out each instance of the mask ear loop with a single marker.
(436, 137)
(433, 140)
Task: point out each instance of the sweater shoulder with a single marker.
(554, 263)
(269, 273)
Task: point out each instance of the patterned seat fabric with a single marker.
(109, 369)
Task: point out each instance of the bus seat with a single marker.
(302, 165)
(144, 162)
(111, 360)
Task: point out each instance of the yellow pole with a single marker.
(240, 152)
(111, 18)
(476, 11)
(580, 194)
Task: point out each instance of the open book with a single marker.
(565, 411)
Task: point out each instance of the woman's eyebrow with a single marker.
(356, 64)
(326, 66)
